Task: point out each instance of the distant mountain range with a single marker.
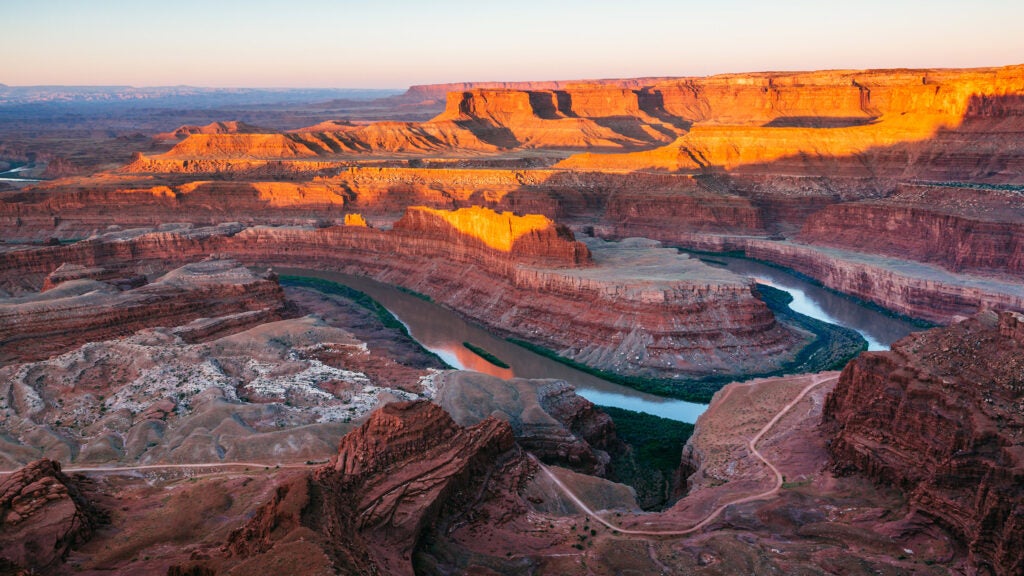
(179, 96)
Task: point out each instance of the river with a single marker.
(877, 327)
(442, 331)
(8, 176)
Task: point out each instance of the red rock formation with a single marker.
(422, 92)
(865, 123)
(241, 145)
(240, 167)
(652, 312)
(684, 206)
(531, 239)
(83, 213)
(390, 481)
(961, 228)
(79, 311)
(69, 272)
(584, 117)
(903, 286)
(43, 514)
(942, 417)
(373, 138)
(546, 416)
(231, 127)
(59, 167)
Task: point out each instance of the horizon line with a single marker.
(564, 80)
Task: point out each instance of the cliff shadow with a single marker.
(564, 100)
(819, 122)
(545, 105)
(490, 133)
(633, 128)
(652, 103)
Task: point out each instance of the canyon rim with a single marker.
(615, 326)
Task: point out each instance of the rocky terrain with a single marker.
(412, 491)
(942, 417)
(663, 315)
(546, 418)
(369, 508)
(210, 421)
(43, 514)
(228, 387)
(81, 309)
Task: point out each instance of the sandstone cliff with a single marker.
(79, 311)
(914, 289)
(960, 228)
(43, 514)
(942, 417)
(228, 127)
(651, 312)
(391, 480)
(341, 139)
(583, 117)
(857, 123)
(531, 238)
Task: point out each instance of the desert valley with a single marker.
(757, 323)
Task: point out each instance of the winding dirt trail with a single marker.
(180, 467)
(816, 381)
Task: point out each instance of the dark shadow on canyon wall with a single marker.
(818, 122)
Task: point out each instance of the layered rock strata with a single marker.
(83, 310)
(907, 287)
(391, 480)
(546, 416)
(43, 514)
(961, 228)
(661, 314)
(69, 272)
(921, 123)
(942, 416)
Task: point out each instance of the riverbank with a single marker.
(442, 332)
(879, 326)
(829, 346)
(909, 288)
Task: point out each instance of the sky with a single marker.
(397, 43)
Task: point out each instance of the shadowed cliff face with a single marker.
(942, 417)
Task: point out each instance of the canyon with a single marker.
(663, 316)
(780, 477)
(185, 389)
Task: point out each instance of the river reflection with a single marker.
(442, 331)
(879, 329)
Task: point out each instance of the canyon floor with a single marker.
(170, 405)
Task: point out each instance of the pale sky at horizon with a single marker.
(396, 43)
